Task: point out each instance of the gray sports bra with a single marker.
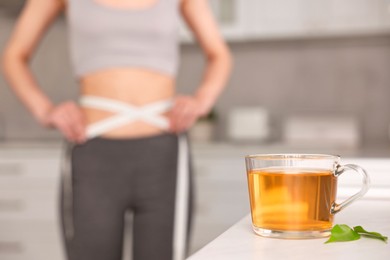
(104, 37)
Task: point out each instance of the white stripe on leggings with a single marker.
(181, 201)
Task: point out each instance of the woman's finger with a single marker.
(63, 126)
(63, 119)
(184, 118)
(179, 114)
(174, 114)
(77, 121)
(184, 114)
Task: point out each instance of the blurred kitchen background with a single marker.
(298, 58)
(309, 76)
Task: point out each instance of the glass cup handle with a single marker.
(366, 183)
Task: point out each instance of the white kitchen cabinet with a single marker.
(364, 15)
(220, 196)
(232, 17)
(320, 17)
(25, 240)
(268, 19)
(279, 17)
(29, 223)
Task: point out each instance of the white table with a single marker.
(241, 243)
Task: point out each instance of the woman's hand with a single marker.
(185, 112)
(68, 118)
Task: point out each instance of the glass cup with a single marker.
(294, 195)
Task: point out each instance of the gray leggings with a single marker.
(111, 177)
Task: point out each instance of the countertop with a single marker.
(242, 149)
(240, 242)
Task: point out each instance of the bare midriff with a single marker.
(137, 87)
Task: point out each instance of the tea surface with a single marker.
(292, 199)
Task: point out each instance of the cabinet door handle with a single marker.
(10, 169)
(11, 247)
(11, 205)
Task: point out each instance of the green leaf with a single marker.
(341, 233)
(376, 235)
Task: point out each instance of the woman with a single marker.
(127, 129)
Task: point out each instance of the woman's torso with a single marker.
(121, 78)
(137, 87)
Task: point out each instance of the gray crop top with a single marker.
(104, 37)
